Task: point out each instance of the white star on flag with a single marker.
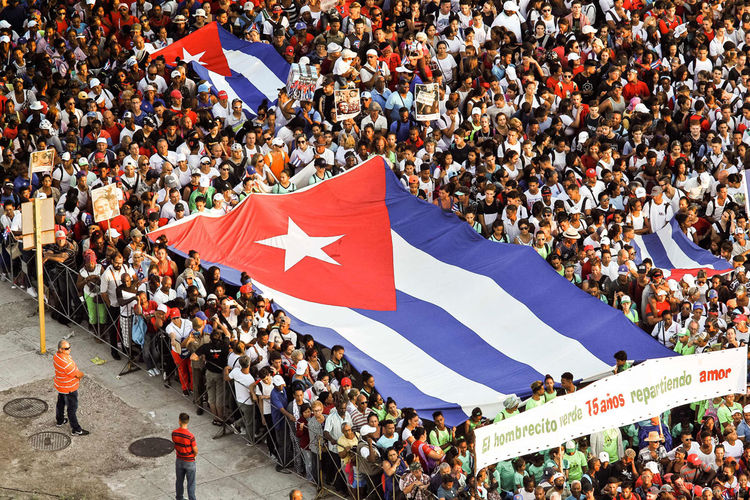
(188, 57)
(297, 245)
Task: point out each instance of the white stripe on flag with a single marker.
(520, 333)
(220, 83)
(256, 72)
(389, 348)
(677, 257)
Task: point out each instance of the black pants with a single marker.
(71, 401)
(113, 323)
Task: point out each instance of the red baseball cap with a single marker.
(346, 381)
(246, 288)
(591, 172)
(176, 94)
(174, 313)
(223, 94)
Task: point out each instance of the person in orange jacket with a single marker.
(67, 378)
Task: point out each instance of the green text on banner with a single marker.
(641, 392)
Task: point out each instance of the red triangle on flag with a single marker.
(202, 47)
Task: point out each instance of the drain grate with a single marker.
(25, 407)
(151, 447)
(49, 441)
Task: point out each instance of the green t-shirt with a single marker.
(504, 415)
(533, 403)
(441, 438)
(518, 480)
(575, 464)
(537, 472)
(507, 476)
(331, 366)
(610, 444)
(684, 349)
(725, 413)
(549, 396)
(209, 195)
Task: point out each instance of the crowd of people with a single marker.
(569, 126)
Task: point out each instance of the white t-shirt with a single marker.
(264, 390)
(242, 383)
(180, 332)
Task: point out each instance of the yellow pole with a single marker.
(39, 273)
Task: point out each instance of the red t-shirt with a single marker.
(119, 223)
(184, 440)
(660, 308)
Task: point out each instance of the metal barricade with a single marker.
(277, 440)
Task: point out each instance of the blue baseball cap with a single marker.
(201, 315)
(623, 269)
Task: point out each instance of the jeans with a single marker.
(71, 401)
(184, 470)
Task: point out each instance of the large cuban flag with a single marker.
(248, 71)
(443, 318)
(671, 250)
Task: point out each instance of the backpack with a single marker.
(138, 330)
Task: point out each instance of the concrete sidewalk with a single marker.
(226, 468)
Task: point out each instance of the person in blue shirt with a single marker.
(278, 414)
(403, 125)
(402, 98)
(743, 429)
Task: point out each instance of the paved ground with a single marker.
(117, 411)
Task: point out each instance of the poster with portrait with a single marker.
(41, 161)
(105, 202)
(347, 104)
(427, 102)
(302, 81)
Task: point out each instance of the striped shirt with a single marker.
(66, 373)
(184, 440)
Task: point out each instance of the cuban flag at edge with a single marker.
(676, 254)
(247, 71)
(443, 318)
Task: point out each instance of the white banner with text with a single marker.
(639, 393)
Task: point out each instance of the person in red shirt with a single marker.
(122, 18)
(429, 456)
(186, 450)
(61, 21)
(635, 87)
(661, 305)
(670, 20)
(708, 27)
(566, 87)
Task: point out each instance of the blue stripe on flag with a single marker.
(522, 274)
(263, 51)
(656, 251)
(246, 91)
(418, 321)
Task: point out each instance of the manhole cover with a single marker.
(25, 407)
(151, 447)
(49, 441)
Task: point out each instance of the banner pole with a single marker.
(39, 273)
